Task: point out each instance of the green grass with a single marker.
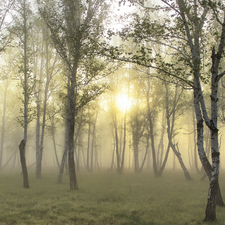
(106, 198)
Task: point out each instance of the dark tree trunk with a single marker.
(22, 147)
(64, 157)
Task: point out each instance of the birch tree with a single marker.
(21, 29)
(186, 30)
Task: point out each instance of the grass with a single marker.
(106, 198)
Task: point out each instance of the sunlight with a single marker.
(123, 102)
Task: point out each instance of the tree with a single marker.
(138, 122)
(46, 66)
(120, 89)
(22, 32)
(74, 28)
(187, 31)
(170, 126)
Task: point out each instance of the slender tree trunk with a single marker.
(117, 146)
(64, 158)
(38, 102)
(136, 157)
(145, 156)
(155, 169)
(41, 147)
(76, 149)
(3, 124)
(55, 150)
(124, 140)
(195, 145)
(22, 148)
(113, 153)
(178, 155)
(71, 125)
(170, 128)
(88, 144)
(93, 141)
(65, 152)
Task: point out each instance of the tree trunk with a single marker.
(136, 157)
(22, 148)
(56, 155)
(38, 102)
(117, 146)
(88, 144)
(113, 153)
(195, 146)
(156, 173)
(124, 140)
(93, 141)
(71, 125)
(170, 128)
(65, 155)
(3, 124)
(145, 156)
(178, 155)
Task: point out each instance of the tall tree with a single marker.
(74, 28)
(22, 31)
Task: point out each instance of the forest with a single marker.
(125, 96)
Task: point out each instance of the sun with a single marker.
(123, 102)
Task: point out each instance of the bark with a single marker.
(65, 154)
(212, 171)
(195, 146)
(22, 147)
(38, 124)
(210, 213)
(71, 124)
(77, 150)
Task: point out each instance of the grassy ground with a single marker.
(106, 198)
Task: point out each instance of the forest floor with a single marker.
(106, 198)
